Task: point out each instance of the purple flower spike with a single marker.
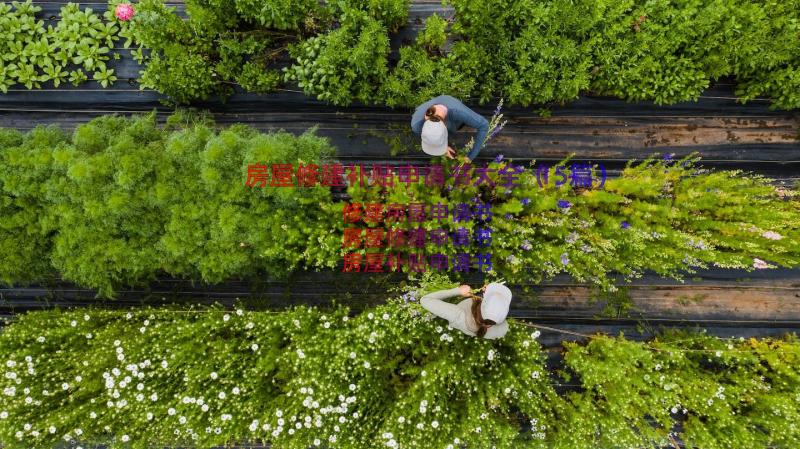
(668, 157)
(564, 259)
(498, 158)
(508, 216)
(625, 225)
(495, 132)
(525, 201)
(564, 204)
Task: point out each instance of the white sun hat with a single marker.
(496, 300)
(434, 138)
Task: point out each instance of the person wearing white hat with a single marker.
(436, 119)
(475, 316)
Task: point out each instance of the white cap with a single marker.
(496, 300)
(434, 138)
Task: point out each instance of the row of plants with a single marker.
(548, 51)
(390, 376)
(211, 46)
(528, 52)
(121, 201)
(79, 45)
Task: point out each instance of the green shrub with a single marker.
(123, 200)
(768, 53)
(420, 76)
(392, 13)
(345, 65)
(390, 376)
(26, 175)
(434, 36)
(277, 14)
(218, 45)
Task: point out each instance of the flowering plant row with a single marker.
(389, 377)
(121, 201)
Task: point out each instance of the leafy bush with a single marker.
(26, 175)
(218, 45)
(434, 36)
(768, 51)
(392, 13)
(80, 43)
(118, 203)
(344, 65)
(221, 44)
(277, 14)
(389, 376)
(420, 76)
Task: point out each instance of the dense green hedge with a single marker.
(529, 52)
(122, 200)
(389, 377)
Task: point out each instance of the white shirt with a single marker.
(459, 315)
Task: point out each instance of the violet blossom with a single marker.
(564, 204)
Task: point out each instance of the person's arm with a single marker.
(432, 302)
(416, 125)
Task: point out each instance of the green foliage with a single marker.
(390, 376)
(124, 200)
(345, 65)
(277, 14)
(769, 52)
(678, 219)
(541, 52)
(218, 45)
(392, 13)
(434, 35)
(420, 76)
(32, 54)
(25, 176)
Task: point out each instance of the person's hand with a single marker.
(467, 160)
(451, 153)
(465, 290)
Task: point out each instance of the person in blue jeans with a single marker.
(439, 117)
